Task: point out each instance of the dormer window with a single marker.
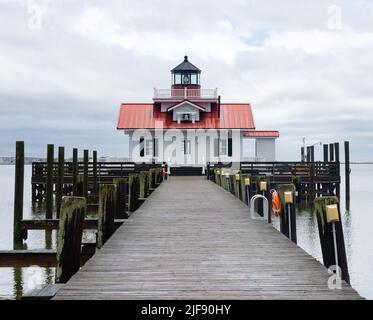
(186, 117)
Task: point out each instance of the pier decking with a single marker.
(193, 240)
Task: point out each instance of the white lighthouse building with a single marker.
(187, 125)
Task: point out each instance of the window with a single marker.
(187, 147)
(223, 147)
(149, 148)
(177, 78)
(194, 79)
(142, 153)
(156, 148)
(230, 147)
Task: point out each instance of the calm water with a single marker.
(358, 226)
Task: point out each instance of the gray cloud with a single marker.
(62, 81)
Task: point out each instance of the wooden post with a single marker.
(95, 181)
(338, 184)
(50, 184)
(244, 188)
(266, 193)
(106, 212)
(80, 186)
(331, 152)
(311, 187)
(298, 189)
(347, 173)
(302, 154)
(133, 191)
(312, 150)
(144, 184)
(69, 237)
(326, 149)
(85, 174)
(285, 208)
(75, 171)
(60, 180)
(326, 236)
(120, 198)
(18, 191)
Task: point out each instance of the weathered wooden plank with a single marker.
(193, 240)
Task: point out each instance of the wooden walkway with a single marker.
(193, 240)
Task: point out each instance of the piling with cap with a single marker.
(245, 187)
(288, 223)
(331, 234)
(264, 189)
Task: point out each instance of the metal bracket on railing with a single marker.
(255, 215)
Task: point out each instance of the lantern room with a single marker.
(186, 75)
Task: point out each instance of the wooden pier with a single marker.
(193, 240)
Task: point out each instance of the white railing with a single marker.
(185, 93)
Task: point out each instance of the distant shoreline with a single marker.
(8, 162)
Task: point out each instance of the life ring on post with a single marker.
(276, 203)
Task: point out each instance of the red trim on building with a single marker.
(145, 116)
(262, 134)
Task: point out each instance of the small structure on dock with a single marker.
(190, 126)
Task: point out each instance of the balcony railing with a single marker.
(185, 93)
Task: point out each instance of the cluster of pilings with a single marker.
(331, 153)
(264, 196)
(112, 201)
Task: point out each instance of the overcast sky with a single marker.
(306, 67)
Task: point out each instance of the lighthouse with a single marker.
(188, 125)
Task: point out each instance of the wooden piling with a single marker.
(60, 179)
(244, 188)
(75, 171)
(106, 214)
(347, 173)
(325, 155)
(337, 160)
(298, 189)
(326, 236)
(18, 191)
(267, 194)
(85, 173)
(331, 152)
(80, 186)
(284, 216)
(69, 237)
(50, 184)
(312, 150)
(144, 184)
(311, 187)
(95, 181)
(134, 191)
(120, 198)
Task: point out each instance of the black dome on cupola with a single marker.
(186, 66)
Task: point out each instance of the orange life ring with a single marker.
(276, 204)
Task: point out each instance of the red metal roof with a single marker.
(144, 116)
(262, 134)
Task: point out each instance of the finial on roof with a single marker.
(185, 58)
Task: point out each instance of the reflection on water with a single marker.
(358, 226)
